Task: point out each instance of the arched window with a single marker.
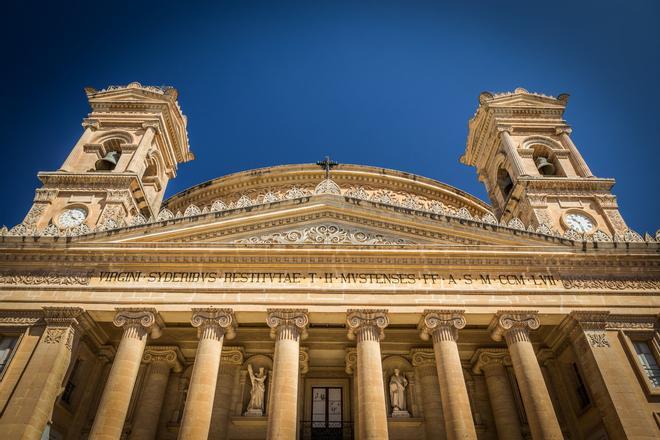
(504, 183)
(112, 148)
(546, 161)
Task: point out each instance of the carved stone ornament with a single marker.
(62, 325)
(506, 321)
(232, 355)
(323, 234)
(423, 357)
(591, 324)
(21, 318)
(287, 323)
(327, 186)
(49, 278)
(219, 322)
(609, 284)
(367, 324)
(135, 320)
(484, 357)
(441, 324)
(170, 355)
(303, 356)
(351, 360)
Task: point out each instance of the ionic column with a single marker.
(287, 326)
(443, 326)
(512, 152)
(111, 414)
(492, 363)
(514, 326)
(161, 361)
(212, 327)
(580, 165)
(367, 326)
(423, 359)
(31, 405)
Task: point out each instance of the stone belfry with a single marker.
(522, 150)
(118, 170)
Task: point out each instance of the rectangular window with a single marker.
(648, 361)
(7, 346)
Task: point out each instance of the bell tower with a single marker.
(522, 150)
(133, 140)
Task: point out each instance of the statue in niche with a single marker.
(257, 392)
(398, 384)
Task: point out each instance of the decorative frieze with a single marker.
(20, 318)
(323, 234)
(35, 279)
(610, 284)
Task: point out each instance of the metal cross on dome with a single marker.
(327, 164)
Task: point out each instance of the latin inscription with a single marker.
(371, 278)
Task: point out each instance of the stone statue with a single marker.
(256, 405)
(398, 384)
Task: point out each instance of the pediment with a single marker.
(325, 220)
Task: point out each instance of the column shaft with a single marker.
(113, 407)
(282, 419)
(581, 166)
(434, 421)
(512, 154)
(455, 400)
(502, 403)
(196, 421)
(31, 405)
(540, 412)
(371, 397)
(147, 412)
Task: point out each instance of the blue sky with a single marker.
(382, 83)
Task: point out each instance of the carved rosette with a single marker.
(442, 325)
(62, 325)
(514, 325)
(163, 358)
(214, 323)
(351, 360)
(367, 324)
(138, 322)
(287, 323)
(483, 359)
(591, 324)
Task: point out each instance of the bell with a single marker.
(545, 167)
(108, 163)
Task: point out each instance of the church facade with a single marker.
(327, 301)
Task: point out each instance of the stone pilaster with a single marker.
(350, 360)
(161, 360)
(423, 359)
(514, 327)
(609, 381)
(287, 326)
(137, 324)
(230, 363)
(443, 326)
(492, 363)
(367, 326)
(31, 406)
(212, 327)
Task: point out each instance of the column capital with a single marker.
(219, 320)
(62, 316)
(518, 321)
(351, 360)
(563, 130)
(362, 321)
(436, 323)
(504, 129)
(590, 323)
(486, 357)
(232, 355)
(92, 124)
(287, 323)
(151, 124)
(423, 357)
(146, 318)
(170, 355)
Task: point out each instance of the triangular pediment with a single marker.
(324, 220)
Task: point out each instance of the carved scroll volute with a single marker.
(441, 323)
(351, 360)
(516, 323)
(367, 324)
(139, 319)
(287, 323)
(483, 358)
(220, 322)
(169, 355)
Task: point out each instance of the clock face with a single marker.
(579, 223)
(72, 217)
